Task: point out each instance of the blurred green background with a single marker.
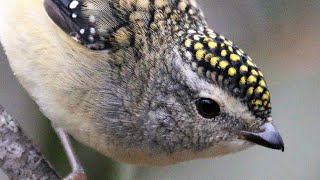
(283, 38)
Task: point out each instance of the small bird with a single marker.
(141, 81)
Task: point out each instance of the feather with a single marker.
(83, 20)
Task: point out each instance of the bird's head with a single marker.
(213, 100)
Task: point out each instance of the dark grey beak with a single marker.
(269, 137)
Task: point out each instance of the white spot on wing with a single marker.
(73, 4)
(92, 30)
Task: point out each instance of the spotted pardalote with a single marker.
(141, 81)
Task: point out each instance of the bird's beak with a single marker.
(269, 137)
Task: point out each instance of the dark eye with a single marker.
(207, 108)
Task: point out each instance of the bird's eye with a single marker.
(207, 108)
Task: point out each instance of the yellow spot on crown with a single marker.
(234, 57)
(258, 102)
(223, 64)
(243, 68)
(259, 89)
(265, 96)
(243, 80)
(206, 39)
(214, 61)
(254, 72)
(200, 54)
(228, 42)
(265, 103)
(208, 57)
(212, 45)
(230, 48)
(250, 91)
(252, 79)
(197, 37)
(213, 35)
(232, 71)
(262, 83)
(239, 52)
(260, 73)
(250, 63)
(188, 43)
(223, 52)
(198, 46)
(222, 37)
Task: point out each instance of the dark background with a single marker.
(283, 38)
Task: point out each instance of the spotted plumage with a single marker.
(68, 14)
(141, 81)
(210, 54)
(220, 61)
(122, 22)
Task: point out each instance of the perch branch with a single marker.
(19, 158)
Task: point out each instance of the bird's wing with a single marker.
(104, 24)
(90, 22)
